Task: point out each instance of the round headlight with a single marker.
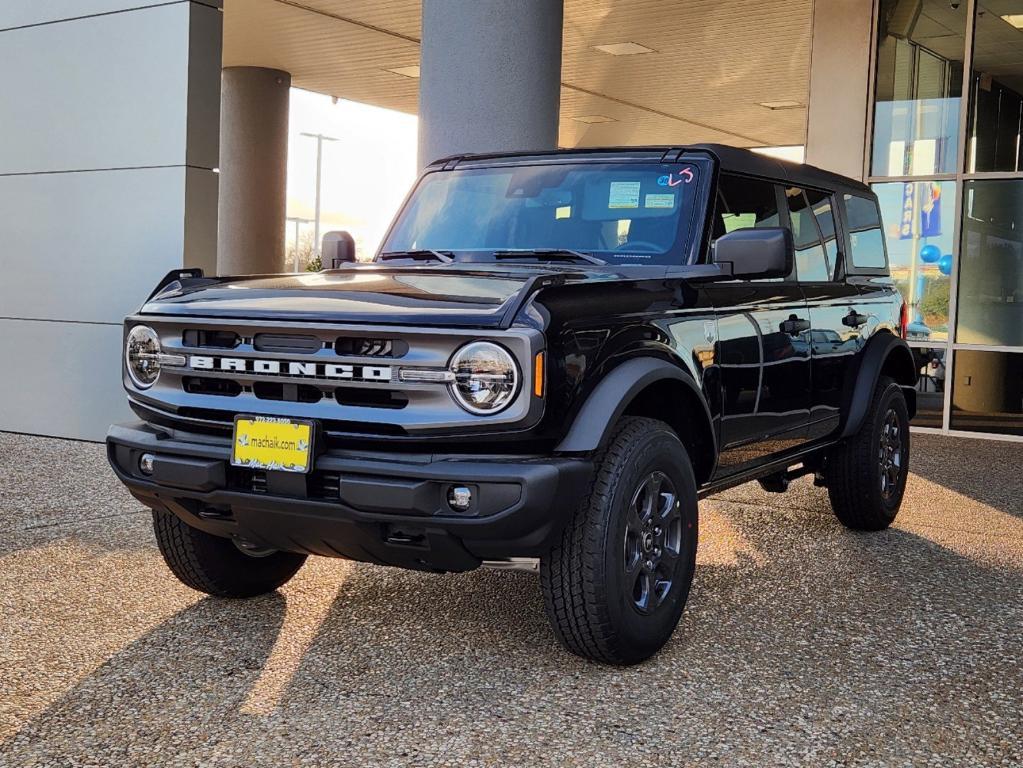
(486, 377)
(142, 356)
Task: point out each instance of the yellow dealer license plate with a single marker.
(268, 442)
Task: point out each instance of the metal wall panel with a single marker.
(61, 379)
(90, 246)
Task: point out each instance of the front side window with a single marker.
(621, 213)
(743, 204)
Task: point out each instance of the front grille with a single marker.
(290, 393)
(346, 378)
(294, 344)
(359, 347)
(210, 339)
(197, 385)
(370, 398)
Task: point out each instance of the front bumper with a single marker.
(389, 509)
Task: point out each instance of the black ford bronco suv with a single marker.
(551, 358)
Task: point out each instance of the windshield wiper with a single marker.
(552, 254)
(445, 257)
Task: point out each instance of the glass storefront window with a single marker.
(919, 220)
(996, 88)
(921, 46)
(987, 394)
(991, 264)
(930, 386)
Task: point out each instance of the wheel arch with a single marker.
(885, 355)
(654, 388)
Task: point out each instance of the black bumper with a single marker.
(387, 509)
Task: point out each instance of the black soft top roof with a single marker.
(731, 159)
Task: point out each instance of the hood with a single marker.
(450, 296)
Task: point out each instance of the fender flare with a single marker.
(612, 395)
(881, 349)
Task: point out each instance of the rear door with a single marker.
(836, 334)
(763, 354)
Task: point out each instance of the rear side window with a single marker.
(811, 260)
(866, 240)
(820, 202)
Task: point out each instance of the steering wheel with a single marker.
(639, 246)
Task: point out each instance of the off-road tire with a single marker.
(216, 566)
(585, 584)
(853, 468)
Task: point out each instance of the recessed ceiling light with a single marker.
(624, 49)
(781, 104)
(590, 119)
(1016, 19)
(412, 71)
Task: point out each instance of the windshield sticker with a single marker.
(624, 194)
(659, 201)
(685, 176)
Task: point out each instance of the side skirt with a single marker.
(770, 467)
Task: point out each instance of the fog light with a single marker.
(459, 498)
(146, 463)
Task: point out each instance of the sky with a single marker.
(366, 173)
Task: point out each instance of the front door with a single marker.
(763, 353)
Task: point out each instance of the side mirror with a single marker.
(337, 249)
(755, 253)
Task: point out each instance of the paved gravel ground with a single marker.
(803, 643)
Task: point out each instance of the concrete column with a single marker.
(110, 118)
(490, 76)
(253, 170)
(837, 118)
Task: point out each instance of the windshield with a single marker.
(621, 213)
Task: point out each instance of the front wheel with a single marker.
(866, 474)
(616, 584)
(219, 566)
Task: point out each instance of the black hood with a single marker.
(451, 295)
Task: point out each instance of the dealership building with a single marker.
(141, 136)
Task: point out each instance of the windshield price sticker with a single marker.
(659, 201)
(624, 194)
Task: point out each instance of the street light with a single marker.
(320, 138)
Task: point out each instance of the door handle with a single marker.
(794, 325)
(854, 319)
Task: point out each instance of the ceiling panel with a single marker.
(713, 63)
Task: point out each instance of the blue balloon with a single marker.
(945, 264)
(930, 254)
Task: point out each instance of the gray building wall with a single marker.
(109, 118)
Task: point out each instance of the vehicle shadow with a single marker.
(838, 645)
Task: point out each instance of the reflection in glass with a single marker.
(919, 83)
(996, 85)
(919, 219)
(987, 394)
(991, 273)
(930, 386)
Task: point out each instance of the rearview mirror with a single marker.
(753, 254)
(338, 247)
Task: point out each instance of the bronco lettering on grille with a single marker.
(290, 368)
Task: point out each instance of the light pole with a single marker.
(320, 138)
(298, 221)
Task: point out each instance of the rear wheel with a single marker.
(866, 474)
(615, 586)
(219, 566)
